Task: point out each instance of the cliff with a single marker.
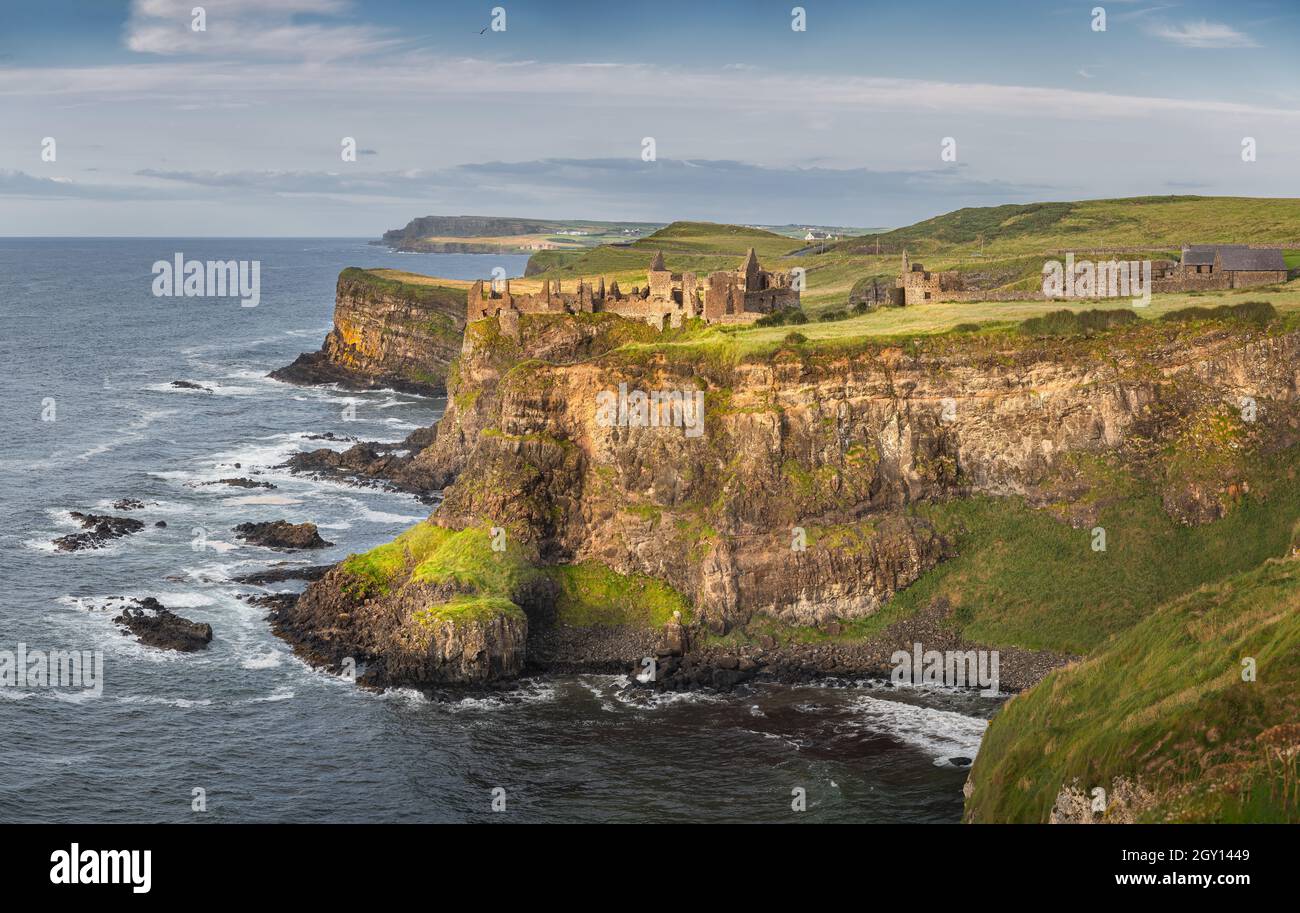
(386, 333)
(840, 490)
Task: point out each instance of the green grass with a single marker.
(374, 572)
(483, 581)
(1165, 705)
(592, 595)
(425, 293)
(1023, 578)
(465, 559)
(699, 247)
(462, 609)
(1149, 222)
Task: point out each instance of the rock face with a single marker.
(796, 499)
(155, 625)
(830, 451)
(281, 534)
(386, 333)
(101, 529)
(402, 637)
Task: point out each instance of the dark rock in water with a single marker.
(281, 573)
(161, 524)
(331, 436)
(128, 504)
(372, 462)
(155, 625)
(281, 534)
(190, 385)
(101, 529)
(961, 761)
(242, 482)
(274, 602)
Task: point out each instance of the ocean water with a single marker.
(262, 735)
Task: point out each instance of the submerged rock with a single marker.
(281, 534)
(154, 625)
(190, 385)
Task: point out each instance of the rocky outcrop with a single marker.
(281, 534)
(100, 529)
(387, 333)
(419, 634)
(371, 463)
(154, 625)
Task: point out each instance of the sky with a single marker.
(237, 129)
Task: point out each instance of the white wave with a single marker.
(273, 697)
(181, 702)
(263, 661)
(942, 734)
(282, 500)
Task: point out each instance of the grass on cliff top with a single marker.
(426, 289)
(427, 553)
(466, 559)
(589, 594)
(1165, 704)
(375, 572)
(592, 595)
(900, 326)
(473, 608)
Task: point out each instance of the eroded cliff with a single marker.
(386, 333)
(796, 501)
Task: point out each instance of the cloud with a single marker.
(1203, 34)
(414, 78)
(240, 29)
(22, 184)
(714, 189)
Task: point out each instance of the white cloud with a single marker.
(1203, 34)
(240, 29)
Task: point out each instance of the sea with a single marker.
(245, 732)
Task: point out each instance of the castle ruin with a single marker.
(667, 300)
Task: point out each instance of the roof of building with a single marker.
(1246, 259)
(1203, 254)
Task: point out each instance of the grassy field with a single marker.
(997, 248)
(1165, 705)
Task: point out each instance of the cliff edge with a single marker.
(387, 333)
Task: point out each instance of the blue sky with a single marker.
(236, 130)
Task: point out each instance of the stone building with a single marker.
(726, 296)
(916, 285)
(1230, 266)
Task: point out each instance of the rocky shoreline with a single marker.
(683, 658)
